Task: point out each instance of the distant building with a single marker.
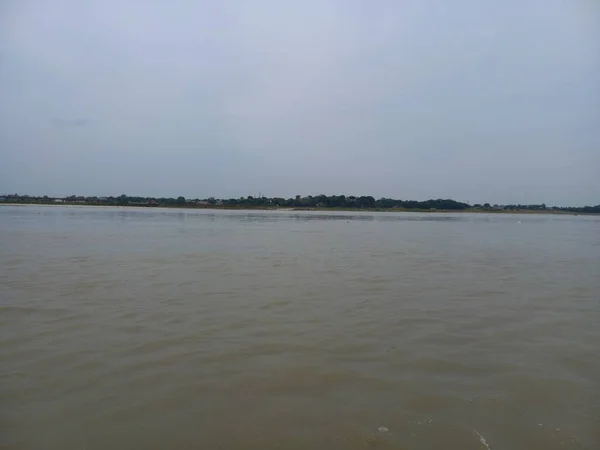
(58, 200)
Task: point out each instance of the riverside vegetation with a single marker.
(334, 202)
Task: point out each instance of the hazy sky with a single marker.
(472, 100)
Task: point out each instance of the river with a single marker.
(141, 328)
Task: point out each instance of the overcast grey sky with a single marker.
(475, 100)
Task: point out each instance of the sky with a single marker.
(472, 100)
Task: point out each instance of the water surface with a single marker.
(154, 329)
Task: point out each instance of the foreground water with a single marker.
(156, 329)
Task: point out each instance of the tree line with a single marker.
(310, 201)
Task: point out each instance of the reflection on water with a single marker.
(150, 328)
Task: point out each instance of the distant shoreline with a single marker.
(320, 202)
(313, 209)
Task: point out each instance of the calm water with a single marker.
(173, 329)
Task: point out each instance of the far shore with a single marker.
(314, 209)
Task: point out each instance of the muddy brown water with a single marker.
(175, 329)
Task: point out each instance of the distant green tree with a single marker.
(180, 200)
(366, 202)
